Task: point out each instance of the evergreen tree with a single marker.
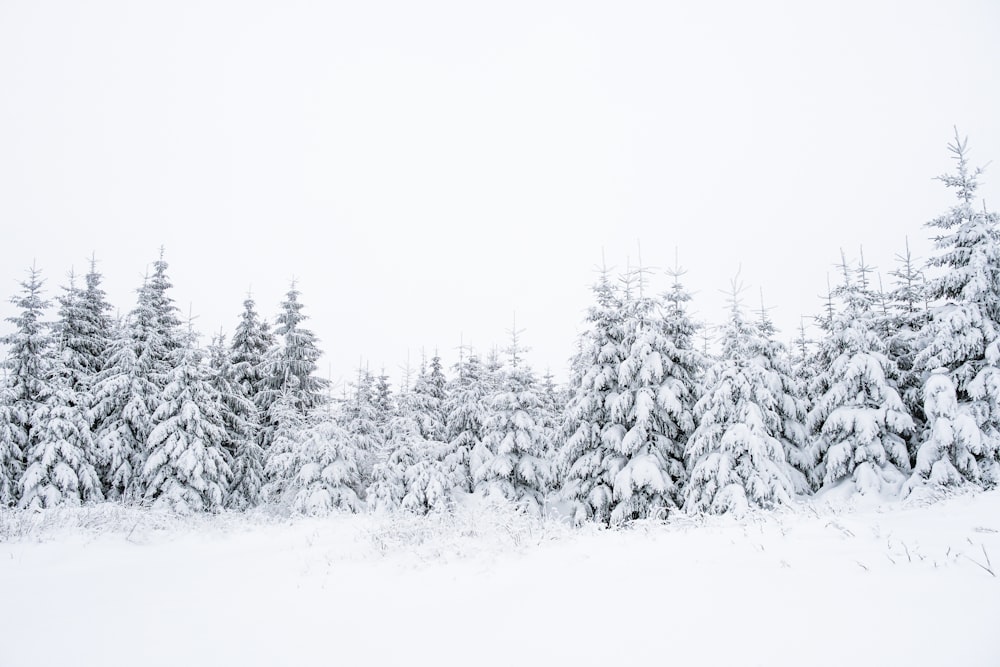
(83, 331)
(60, 468)
(13, 440)
(425, 402)
(802, 356)
(410, 478)
(60, 453)
(239, 417)
(124, 400)
(905, 324)
(296, 356)
(737, 452)
(187, 469)
(466, 412)
(858, 419)
(962, 335)
(28, 357)
(553, 403)
(360, 419)
(787, 403)
(95, 325)
(290, 367)
(384, 403)
(952, 442)
(584, 457)
(289, 424)
(652, 412)
(252, 340)
(509, 464)
(321, 470)
(140, 363)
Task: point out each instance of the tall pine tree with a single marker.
(962, 336)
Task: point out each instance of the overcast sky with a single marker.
(426, 169)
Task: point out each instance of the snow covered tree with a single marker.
(290, 367)
(83, 331)
(858, 420)
(789, 406)
(13, 440)
(952, 442)
(360, 419)
(737, 452)
(905, 324)
(509, 464)
(962, 335)
(140, 363)
(60, 454)
(384, 403)
(252, 340)
(28, 356)
(296, 356)
(465, 414)
(240, 419)
(158, 323)
(425, 401)
(186, 469)
(124, 400)
(584, 458)
(320, 470)
(652, 409)
(289, 425)
(802, 355)
(410, 478)
(553, 403)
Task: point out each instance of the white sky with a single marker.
(426, 169)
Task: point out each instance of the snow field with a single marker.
(901, 584)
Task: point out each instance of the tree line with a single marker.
(901, 392)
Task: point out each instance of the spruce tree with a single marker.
(140, 363)
(289, 425)
(737, 452)
(296, 355)
(465, 415)
(239, 417)
(13, 440)
(509, 463)
(962, 335)
(583, 455)
(384, 403)
(905, 324)
(651, 413)
(96, 325)
(410, 478)
(858, 420)
(952, 440)
(788, 404)
(186, 469)
(360, 419)
(60, 454)
(425, 401)
(290, 367)
(252, 340)
(28, 357)
(124, 400)
(320, 470)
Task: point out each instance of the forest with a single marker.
(899, 395)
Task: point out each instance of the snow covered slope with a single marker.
(891, 585)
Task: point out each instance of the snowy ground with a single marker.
(900, 585)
